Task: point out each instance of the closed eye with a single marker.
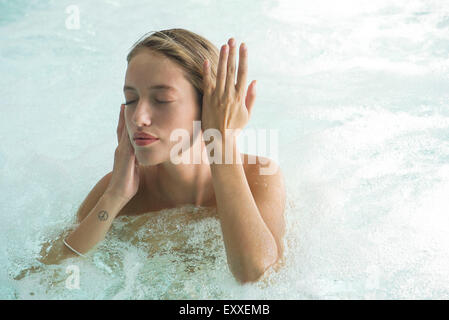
(157, 101)
(130, 102)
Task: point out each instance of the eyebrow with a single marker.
(155, 87)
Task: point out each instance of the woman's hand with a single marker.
(125, 175)
(225, 104)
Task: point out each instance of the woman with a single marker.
(175, 77)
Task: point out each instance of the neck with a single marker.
(184, 183)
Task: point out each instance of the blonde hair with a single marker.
(187, 49)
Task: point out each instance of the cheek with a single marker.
(181, 122)
(180, 117)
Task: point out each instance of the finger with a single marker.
(127, 146)
(243, 70)
(123, 135)
(221, 69)
(128, 142)
(121, 118)
(230, 71)
(251, 97)
(120, 123)
(207, 81)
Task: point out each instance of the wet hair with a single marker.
(187, 49)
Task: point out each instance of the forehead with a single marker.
(149, 68)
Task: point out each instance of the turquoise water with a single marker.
(359, 93)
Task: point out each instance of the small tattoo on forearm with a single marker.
(103, 215)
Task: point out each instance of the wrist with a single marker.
(115, 197)
(225, 152)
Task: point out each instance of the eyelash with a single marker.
(157, 101)
(127, 103)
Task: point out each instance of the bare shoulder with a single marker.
(266, 182)
(265, 179)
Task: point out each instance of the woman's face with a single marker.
(157, 110)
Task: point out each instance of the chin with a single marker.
(149, 160)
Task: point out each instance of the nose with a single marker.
(142, 114)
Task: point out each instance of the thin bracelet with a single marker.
(82, 255)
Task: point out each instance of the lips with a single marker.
(145, 142)
(144, 136)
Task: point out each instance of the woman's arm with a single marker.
(123, 184)
(94, 227)
(87, 234)
(252, 244)
(252, 226)
(54, 250)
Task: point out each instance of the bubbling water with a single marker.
(172, 254)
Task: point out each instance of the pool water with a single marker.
(358, 93)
